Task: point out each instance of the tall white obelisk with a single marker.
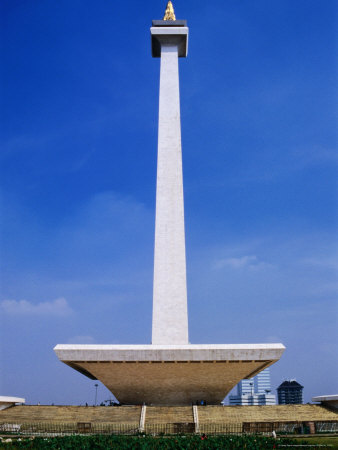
(170, 371)
(170, 316)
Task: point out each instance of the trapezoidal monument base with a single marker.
(169, 374)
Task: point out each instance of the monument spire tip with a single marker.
(169, 12)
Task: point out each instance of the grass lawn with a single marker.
(321, 440)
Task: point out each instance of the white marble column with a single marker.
(170, 317)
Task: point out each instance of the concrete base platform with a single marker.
(169, 374)
(331, 401)
(7, 402)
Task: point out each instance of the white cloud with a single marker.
(57, 307)
(247, 261)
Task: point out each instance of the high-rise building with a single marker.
(254, 391)
(263, 382)
(290, 393)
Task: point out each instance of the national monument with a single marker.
(170, 370)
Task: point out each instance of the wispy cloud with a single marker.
(326, 263)
(82, 161)
(81, 340)
(275, 164)
(57, 307)
(24, 143)
(286, 161)
(246, 261)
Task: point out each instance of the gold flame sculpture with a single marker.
(169, 12)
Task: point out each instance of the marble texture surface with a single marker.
(170, 316)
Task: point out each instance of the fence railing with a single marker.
(221, 428)
(327, 427)
(60, 429)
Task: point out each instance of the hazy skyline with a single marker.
(78, 173)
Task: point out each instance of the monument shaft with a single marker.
(170, 317)
(176, 372)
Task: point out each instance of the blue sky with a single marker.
(79, 93)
